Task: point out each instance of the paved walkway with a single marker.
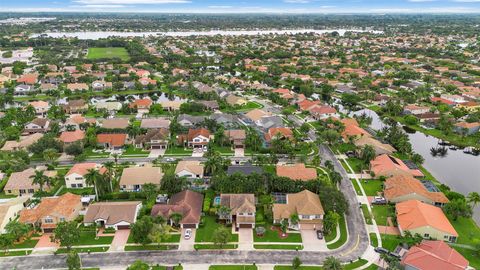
(155, 153)
(119, 240)
(391, 230)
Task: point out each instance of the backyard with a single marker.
(108, 53)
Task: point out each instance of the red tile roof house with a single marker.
(29, 79)
(117, 215)
(352, 129)
(424, 219)
(402, 188)
(388, 166)
(112, 141)
(70, 137)
(75, 177)
(297, 172)
(187, 202)
(433, 255)
(142, 105)
(306, 104)
(323, 112)
(415, 109)
(196, 138)
(52, 210)
(279, 133)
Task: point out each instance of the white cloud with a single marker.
(100, 6)
(219, 7)
(421, 1)
(130, 2)
(467, 1)
(297, 1)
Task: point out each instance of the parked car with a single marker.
(381, 250)
(188, 234)
(319, 235)
(379, 200)
(396, 255)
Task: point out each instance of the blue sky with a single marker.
(246, 6)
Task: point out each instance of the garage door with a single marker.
(189, 226)
(307, 226)
(245, 225)
(48, 230)
(123, 227)
(156, 147)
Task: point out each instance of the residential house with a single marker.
(41, 107)
(29, 79)
(9, 210)
(433, 255)
(245, 169)
(23, 89)
(153, 139)
(466, 128)
(306, 205)
(296, 172)
(109, 106)
(402, 188)
(187, 203)
(75, 177)
(112, 141)
(23, 143)
(186, 120)
(189, 169)
(116, 215)
(76, 106)
(352, 129)
(323, 112)
(211, 105)
(37, 125)
(379, 147)
(281, 133)
(388, 166)
(196, 138)
(225, 119)
(134, 178)
(171, 105)
(256, 114)
(236, 137)
(77, 87)
(425, 219)
(142, 105)
(115, 123)
(101, 85)
(155, 123)
(241, 209)
(233, 100)
(21, 183)
(51, 211)
(71, 137)
(415, 109)
(307, 105)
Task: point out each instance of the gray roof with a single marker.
(246, 169)
(271, 122)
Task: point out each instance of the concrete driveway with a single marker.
(197, 153)
(239, 152)
(311, 242)
(245, 239)
(187, 244)
(119, 240)
(155, 153)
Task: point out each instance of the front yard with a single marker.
(273, 234)
(382, 212)
(372, 187)
(178, 151)
(205, 232)
(89, 238)
(343, 235)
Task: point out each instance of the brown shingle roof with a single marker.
(112, 212)
(239, 203)
(188, 203)
(297, 172)
(301, 203)
(141, 176)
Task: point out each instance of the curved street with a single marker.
(354, 248)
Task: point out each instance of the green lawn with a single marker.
(109, 52)
(15, 253)
(366, 214)
(468, 231)
(205, 232)
(356, 187)
(381, 212)
(180, 151)
(149, 247)
(390, 242)
(355, 265)
(84, 250)
(344, 147)
(373, 240)
(225, 150)
(131, 150)
(288, 267)
(212, 246)
(29, 243)
(88, 238)
(273, 236)
(331, 236)
(159, 267)
(174, 238)
(343, 235)
(372, 187)
(472, 256)
(249, 106)
(356, 164)
(288, 247)
(232, 267)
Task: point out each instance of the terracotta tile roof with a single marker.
(63, 206)
(467, 125)
(28, 78)
(433, 255)
(385, 165)
(192, 166)
(141, 176)
(155, 123)
(112, 212)
(324, 109)
(236, 134)
(115, 140)
(414, 214)
(141, 103)
(187, 202)
(38, 104)
(23, 143)
(307, 104)
(82, 168)
(256, 114)
(72, 136)
(282, 132)
(352, 129)
(238, 203)
(23, 180)
(301, 203)
(114, 123)
(402, 185)
(297, 172)
(192, 133)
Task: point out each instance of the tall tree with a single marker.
(473, 198)
(39, 178)
(73, 261)
(92, 178)
(66, 233)
(332, 263)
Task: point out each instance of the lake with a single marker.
(459, 171)
(93, 35)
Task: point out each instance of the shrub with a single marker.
(206, 204)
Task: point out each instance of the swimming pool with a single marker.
(216, 200)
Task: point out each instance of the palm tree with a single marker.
(115, 156)
(39, 178)
(332, 263)
(473, 198)
(294, 219)
(91, 178)
(176, 218)
(109, 166)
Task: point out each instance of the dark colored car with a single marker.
(381, 250)
(319, 235)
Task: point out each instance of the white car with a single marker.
(187, 234)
